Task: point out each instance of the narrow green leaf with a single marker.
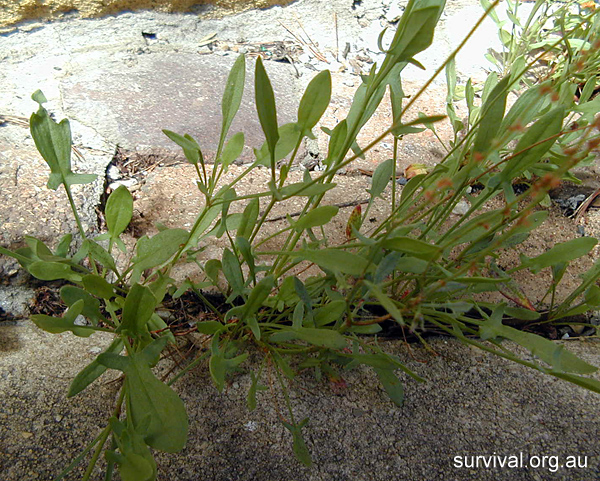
(93, 370)
(63, 246)
(233, 272)
(232, 96)
(299, 446)
(415, 30)
(321, 337)
(314, 101)
(265, 106)
(255, 301)
(246, 250)
(586, 382)
(139, 307)
(154, 408)
(233, 149)
(100, 254)
(134, 459)
(492, 114)
(381, 177)
(254, 387)
(561, 359)
(317, 217)
(385, 301)
(562, 252)
(329, 313)
(289, 136)
(336, 260)
(392, 385)
(249, 219)
(413, 247)
(91, 306)
(118, 211)
(534, 144)
(190, 147)
(56, 325)
(336, 142)
(51, 271)
(154, 251)
(53, 141)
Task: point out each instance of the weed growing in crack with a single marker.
(420, 268)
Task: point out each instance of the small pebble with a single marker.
(95, 350)
(461, 208)
(251, 426)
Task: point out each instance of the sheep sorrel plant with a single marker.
(420, 268)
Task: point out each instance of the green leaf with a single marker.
(534, 144)
(249, 219)
(139, 307)
(413, 247)
(233, 272)
(592, 296)
(385, 301)
(317, 217)
(321, 337)
(492, 113)
(254, 387)
(289, 136)
(208, 327)
(190, 147)
(219, 366)
(154, 251)
(329, 313)
(392, 385)
(314, 101)
(56, 325)
(51, 271)
(336, 260)
(381, 177)
(415, 30)
(233, 149)
(212, 268)
(153, 407)
(562, 252)
(246, 250)
(118, 211)
(526, 107)
(135, 460)
(299, 447)
(93, 370)
(337, 141)
(63, 246)
(53, 142)
(255, 301)
(98, 286)
(265, 106)
(586, 382)
(100, 254)
(91, 306)
(232, 96)
(561, 360)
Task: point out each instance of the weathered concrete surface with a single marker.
(472, 404)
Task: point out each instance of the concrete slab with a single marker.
(471, 405)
